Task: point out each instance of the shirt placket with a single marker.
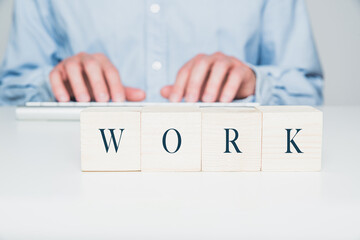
(156, 46)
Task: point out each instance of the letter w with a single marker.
(112, 138)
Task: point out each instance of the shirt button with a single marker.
(156, 65)
(155, 8)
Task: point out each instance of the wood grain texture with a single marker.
(247, 123)
(93, 153)
(155, 121)
(276, 119)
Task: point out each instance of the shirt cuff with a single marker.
(263, 88)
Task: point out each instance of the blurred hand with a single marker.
(211, 78)
(90, 77)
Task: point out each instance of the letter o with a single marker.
(164, 140)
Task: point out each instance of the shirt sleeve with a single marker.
(288, 71)
(29, 57)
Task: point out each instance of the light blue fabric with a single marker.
(273, 37)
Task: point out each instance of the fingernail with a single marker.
(84, 98)
(191, 98)
(208, 98)
(63, 98)
(103, 97)
(119, 98)
(139, 94)
(174, 98)
(226, 98)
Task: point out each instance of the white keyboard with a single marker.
(71, 110)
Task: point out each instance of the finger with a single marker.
(198, 76)
(65, 79)
(165, 91)
(113, 80)
(58, 86)
(74, 72)
(232, 84)
(248, 85)
(96, 78)
(217, 76)
(134, 94)
(178, 90)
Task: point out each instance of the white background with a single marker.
(336, 25)
(44, 195)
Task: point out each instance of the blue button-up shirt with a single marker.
(149, 40)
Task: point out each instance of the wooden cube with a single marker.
(291, 138)
(170, 139)
(231, 139)
(110, 139)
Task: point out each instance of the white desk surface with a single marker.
(44, 195)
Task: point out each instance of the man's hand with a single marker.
(212, 78)
(90, 77)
